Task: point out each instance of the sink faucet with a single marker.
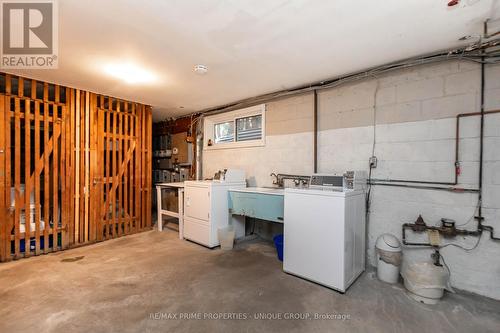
(279, 179)
(276, 181)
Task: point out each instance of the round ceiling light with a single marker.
(200, 69)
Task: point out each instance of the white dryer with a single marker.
(206, 208)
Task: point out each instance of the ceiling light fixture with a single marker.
(200, 69)
(130, 73)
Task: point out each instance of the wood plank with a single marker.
(8, 85)
(149, 170)
(113, 172)
(91, 168)
(65, 195)
(17, 178)
(62, 172)
(137, 176)
(32, 234)
(46, 176)
(71, 173)
(121, 171)
(108, 175)
(46, 168)
(141, 160)
(82, 168)
(87, 165)
(131, 168)
(3, 203)
(126, 180)
(37, 178)
(27, 175)
(57, 93)
(69, 170)
(32, 117)
(100, 168)
(143, 166)
(20, 86)
(45, 92)
(8, 176)
(77, 166)
(94, 208)
(33, 90)
(55, 183)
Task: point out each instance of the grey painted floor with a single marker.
(140, 283)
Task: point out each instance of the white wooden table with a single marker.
(180, 214)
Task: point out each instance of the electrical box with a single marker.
(181, 149)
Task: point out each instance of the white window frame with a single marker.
(231, 116)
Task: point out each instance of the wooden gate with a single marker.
(75, 167)
(35, 147)
(120, 167)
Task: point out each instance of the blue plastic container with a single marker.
(278, 243)
(22, 244)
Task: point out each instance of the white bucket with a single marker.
(226, 237)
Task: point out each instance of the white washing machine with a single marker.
(324, 235)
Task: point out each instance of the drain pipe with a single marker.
(481, 148)
(479, 216)
(199, 148)
(315, 120)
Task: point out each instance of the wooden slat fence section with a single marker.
(3, 205)
(75, 167)
(38, 169)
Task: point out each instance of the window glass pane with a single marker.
(224, 132)
(249, 128)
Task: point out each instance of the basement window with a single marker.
(224, 132)
(234, 129)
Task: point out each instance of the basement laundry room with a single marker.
(250, 166)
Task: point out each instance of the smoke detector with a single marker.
(200, 69)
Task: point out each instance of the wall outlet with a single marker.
(373, 162)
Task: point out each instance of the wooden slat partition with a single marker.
(27, 170)
(17, 177)
(3, 203)
(75, 167)
(38, 169)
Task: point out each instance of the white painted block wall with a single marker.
(421, 147)
(415, 132)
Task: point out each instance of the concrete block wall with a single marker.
(414, 112)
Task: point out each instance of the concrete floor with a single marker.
(140, 283)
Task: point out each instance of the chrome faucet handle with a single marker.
(276, 180)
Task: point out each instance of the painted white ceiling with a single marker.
(251, 47)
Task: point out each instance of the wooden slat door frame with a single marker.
(119, 164)
(76, 133)
(21, 120)
(3, 198)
